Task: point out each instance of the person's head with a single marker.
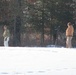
(69, 24)
(5, 27)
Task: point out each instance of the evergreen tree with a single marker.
(50, 13)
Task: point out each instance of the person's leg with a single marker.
(6, 42)
(66, 42)
(70, 44)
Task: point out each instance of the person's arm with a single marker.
(4, 34)
(66, 31)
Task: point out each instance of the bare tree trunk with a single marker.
(42, 27)
(17, 33)
(17, 24)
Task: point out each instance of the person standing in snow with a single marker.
(69, 35)
(6, 35)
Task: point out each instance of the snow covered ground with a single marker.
(37, 61)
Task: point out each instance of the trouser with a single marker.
(6, 40)
(68, 42)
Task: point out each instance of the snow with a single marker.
(37, 61)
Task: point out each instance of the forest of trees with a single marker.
(39, 15)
